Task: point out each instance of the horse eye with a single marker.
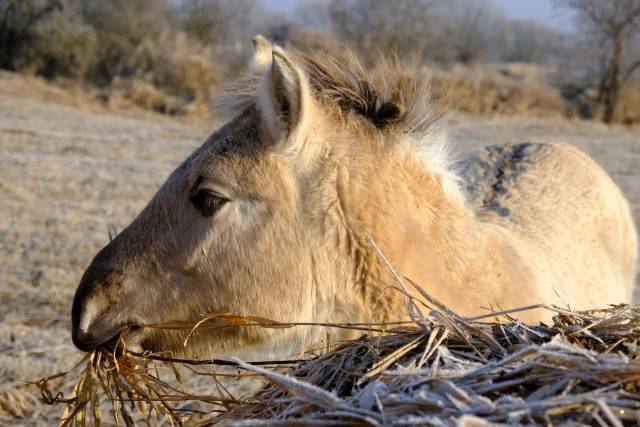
(207, 203)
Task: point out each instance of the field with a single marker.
(71, 169)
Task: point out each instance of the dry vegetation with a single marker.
(441, 369)
(516, 88)
(165, 58)
(446, 369)
(171, 57)
(523, 89)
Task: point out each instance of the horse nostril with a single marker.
(82, 335)
(83, 340)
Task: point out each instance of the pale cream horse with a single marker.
(275, 215)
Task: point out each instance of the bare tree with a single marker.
(313, 14)
(613, 25)
(315, 38)
(414, 30)
(532, 41)
(225, 25)
(393, 27)
(470, 29)
(215, 22)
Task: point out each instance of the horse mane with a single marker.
(386, 96)
(386, 102)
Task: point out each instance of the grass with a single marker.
(439, 369)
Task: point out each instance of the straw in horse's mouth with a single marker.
(124, 335)
(127, 337)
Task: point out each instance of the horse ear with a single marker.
(283, 98)
(262, 54)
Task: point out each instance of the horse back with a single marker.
(565, 210)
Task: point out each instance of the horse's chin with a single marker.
(132, 340)
(158, 343)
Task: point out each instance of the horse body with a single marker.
(569, 219)
(274, 217)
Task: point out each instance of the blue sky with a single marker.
(540, 10)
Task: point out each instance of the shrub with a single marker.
(63, 46)
(121, 26)
(171, 75)
(508, 89)
(18, 19)
(628, 110)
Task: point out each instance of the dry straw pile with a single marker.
(440, 369)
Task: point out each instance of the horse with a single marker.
(332, 190)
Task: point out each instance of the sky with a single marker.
(540, 10)
(544, 11)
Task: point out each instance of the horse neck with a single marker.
(424, 230)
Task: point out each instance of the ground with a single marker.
(70, 170)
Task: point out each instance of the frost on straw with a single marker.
(440, 369)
